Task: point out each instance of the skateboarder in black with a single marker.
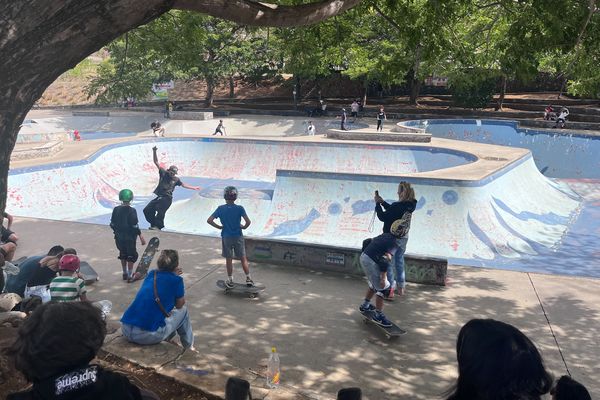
(155, 210)
(375, 261)
(124, 223)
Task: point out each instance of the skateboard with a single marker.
(145, 260)
(89, 274)
(390, 332)
(251, 291)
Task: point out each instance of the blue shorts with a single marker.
(371, 270)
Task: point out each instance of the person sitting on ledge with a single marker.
(158, 311)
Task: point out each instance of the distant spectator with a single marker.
(549, 113)
(344, 118)
(323, 107)
(158, 311)
(310, 129)
(6, 235)
(53, 350)
(220, 129)
(76, 135)
(168, 109)
(354, 107)
(496, 361)
(567, 388)
(17, 283)
(157, 129)
(380, 118)
(562, 118)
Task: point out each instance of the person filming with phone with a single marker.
(388, 213)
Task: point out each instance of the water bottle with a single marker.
(273, 372)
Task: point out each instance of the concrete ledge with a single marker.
(91, 113)
(371, 135)
(43, 137)
(431, 271)
(192, 115)
(45, 150)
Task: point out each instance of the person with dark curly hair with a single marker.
(496, 361)
(53, 350)
(567, 388)
(158, 311)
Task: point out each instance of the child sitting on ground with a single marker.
(53, 350)
(124, 223)
(70, 286)
(231, 215)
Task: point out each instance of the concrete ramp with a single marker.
(317, 193)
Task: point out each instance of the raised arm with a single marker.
(190, 187)
(155, 157)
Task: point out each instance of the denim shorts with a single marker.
(233, 247)
(373, 273)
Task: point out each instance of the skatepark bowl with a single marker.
(489, 206)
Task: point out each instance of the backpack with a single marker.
(400, 227)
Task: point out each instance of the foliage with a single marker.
(473, 88)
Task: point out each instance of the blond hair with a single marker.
(168, 260)
(406, 192)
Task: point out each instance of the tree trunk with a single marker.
(210, 92)
(502, 93)
(231, 87)
(415, 87)
(364, 93)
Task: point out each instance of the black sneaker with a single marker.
(229, 284)
(249, 281)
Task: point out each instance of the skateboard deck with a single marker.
(390, 332)
(89, 274)
(251, 291)
(142, 268)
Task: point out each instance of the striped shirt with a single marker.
(67, 288)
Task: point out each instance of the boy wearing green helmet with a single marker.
(124, 223)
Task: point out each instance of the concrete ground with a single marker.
(312, 317)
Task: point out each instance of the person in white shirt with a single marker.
(310, 129)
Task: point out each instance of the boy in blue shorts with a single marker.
(375, 260)
(231, 215)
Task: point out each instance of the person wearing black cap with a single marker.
(155, 210)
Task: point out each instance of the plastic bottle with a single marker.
(273, 371)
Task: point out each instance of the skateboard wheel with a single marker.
(253, 295)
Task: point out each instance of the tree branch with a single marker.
(248, 12)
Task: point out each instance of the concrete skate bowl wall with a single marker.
(557, 155)
(310, 192)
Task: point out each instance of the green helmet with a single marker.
(126, 195)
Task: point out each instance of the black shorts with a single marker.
(354, 114)
(4, 234)
(127, 250)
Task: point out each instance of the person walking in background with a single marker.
(310, 129)
(354, 107)
(344, 118)
(388, 213)
(220, 129)
(380, 118)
